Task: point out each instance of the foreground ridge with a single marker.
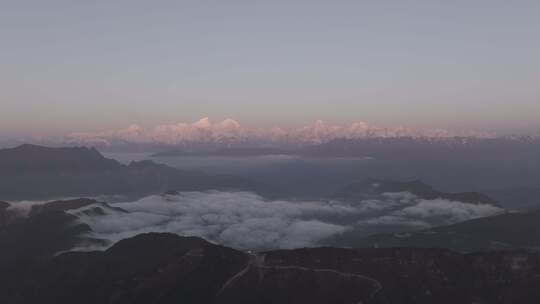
(166, 268)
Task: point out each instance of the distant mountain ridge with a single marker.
(205, 133)
(36, 172)
(459, 149)
(374, 187)
(44, 159)
(230, 132)
(233, 152)
(425, 148)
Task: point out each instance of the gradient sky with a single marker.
(95, 65)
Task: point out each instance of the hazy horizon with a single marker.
(78, 66)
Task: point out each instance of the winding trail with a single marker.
(232, 280)
(257, 261)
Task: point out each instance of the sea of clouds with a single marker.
(245, 220)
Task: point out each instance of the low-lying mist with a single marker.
(245, 220)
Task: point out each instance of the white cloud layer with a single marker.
(247, 221)
(421, 213)
(23, 208)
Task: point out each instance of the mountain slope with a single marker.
(41, 230)
(165, 268)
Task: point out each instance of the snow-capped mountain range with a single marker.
(230, 132)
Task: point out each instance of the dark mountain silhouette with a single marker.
(165, 268)
(39, 159)
(35, 172)
(3, 213)
(375, 187)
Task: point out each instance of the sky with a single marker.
(70, 66)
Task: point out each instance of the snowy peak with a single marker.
(203, 123)
(230, 131)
